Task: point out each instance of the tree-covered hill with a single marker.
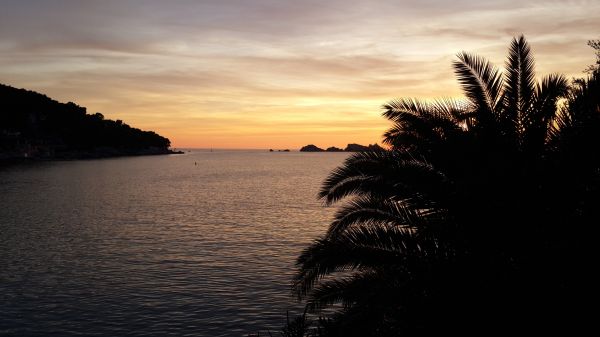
(33, 125)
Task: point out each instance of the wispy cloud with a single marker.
(236, 72)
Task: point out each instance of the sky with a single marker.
(272, 73)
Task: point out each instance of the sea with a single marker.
(196, 244)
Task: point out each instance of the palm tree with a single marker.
(476, 215)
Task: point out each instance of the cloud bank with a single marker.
(271, 73)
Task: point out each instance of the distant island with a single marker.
(35, 126)
(349, 148)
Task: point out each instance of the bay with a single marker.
(199, 244)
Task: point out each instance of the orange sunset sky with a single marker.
(272, 74)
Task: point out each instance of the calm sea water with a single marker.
(157, 246)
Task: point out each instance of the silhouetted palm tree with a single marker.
(479, 215)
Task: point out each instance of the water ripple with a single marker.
(156, 246)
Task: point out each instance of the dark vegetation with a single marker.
(481, 218)
(35, 126)
(349, 148)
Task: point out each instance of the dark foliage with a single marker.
(298, 327)
(31, 124)
(480, 219)
(596, 45)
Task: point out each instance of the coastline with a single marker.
(103, 153)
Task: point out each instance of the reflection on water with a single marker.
(156, 246)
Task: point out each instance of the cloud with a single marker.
(193, 68)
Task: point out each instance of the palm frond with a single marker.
(348, 290)
(455, 110)
(519, 85)
(360, 173)
(537, 121)
(482, 84)
(418, 124)
(579, 119)
(444, 108)
(395, 109)
(358, 248)
(369, 212)
(404, 138)
(382, 173)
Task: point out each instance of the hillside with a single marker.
(33, 125)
